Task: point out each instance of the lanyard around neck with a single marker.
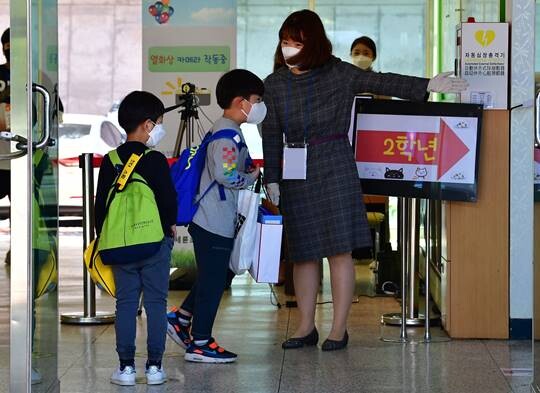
(306, 116)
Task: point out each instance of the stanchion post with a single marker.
(427, 314)
(401, 319)
(87, 166)
(412, 261)
(89, 316)
(404, 253)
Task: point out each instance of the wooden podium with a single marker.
(475, 243)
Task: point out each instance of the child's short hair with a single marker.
(237, 83)
(5, 37)
(137, 107)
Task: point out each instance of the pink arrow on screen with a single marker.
(451, 151)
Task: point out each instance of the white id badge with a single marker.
(295, 161)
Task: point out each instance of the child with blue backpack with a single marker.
(140, 114)
(227, 170)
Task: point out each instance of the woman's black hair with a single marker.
(367, 42)
(304, 26)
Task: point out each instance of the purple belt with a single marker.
(325, 139)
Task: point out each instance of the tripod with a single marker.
(189, 122)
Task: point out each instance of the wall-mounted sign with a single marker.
(187, 42)
(189, 59)
(422, 150)
(483, 56)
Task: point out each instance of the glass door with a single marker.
(536, 283)
(34, 105)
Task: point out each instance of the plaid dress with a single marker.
(325, 214)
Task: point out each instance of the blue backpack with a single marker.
(186, 174)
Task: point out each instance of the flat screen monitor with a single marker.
(417, 150)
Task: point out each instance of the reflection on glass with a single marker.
(259, 22)
(45, 199)
(45, 270)
(258, 25)
(452, 15)
(400, 51)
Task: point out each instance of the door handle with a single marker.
(537, 121)
(22, 143)
(46, 115)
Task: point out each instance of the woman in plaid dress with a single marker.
(309, 98)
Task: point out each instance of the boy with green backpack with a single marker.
(135, 215)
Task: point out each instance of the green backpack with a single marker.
(44, 245)
(132, 228)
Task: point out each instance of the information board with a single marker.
(419, 150)
(484, 63)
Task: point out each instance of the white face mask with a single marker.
(156, 135)
(361, 61)
(257, 113)
(288, 52)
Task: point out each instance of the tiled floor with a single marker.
(251, 326)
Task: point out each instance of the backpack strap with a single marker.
(225, 133)
(228, 133)
(115, 158)
(117, 162)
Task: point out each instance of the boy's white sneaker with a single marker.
(155, 375)
(125, 377)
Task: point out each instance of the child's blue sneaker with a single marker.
(211, 352)
(177, 332)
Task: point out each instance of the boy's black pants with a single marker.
(212, 253)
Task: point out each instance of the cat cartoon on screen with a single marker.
(394, 174)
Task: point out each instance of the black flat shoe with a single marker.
(299, 342)
(333, 345)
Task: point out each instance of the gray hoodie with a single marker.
(226, 165)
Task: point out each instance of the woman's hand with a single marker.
(443, 83)
(273, 193)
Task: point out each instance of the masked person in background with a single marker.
(309, 160)
(363, 53)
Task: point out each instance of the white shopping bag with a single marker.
(265, 267)
(246, 230)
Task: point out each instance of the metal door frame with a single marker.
(22, 184)
(21, 214)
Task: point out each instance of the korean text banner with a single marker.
(187, 42)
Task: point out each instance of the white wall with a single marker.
(100, 44)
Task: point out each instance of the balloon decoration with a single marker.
(161, 11)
